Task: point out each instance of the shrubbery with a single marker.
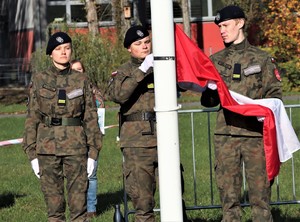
(99, 55)
(289, 70)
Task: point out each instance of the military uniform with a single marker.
(61, 130)
(251, 72)
(134, 91)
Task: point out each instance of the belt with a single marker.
(50, 121)
(140, 116)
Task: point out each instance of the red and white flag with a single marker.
(194, 70)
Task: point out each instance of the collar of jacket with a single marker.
(136, 60)
(240, 46)
(57, 71)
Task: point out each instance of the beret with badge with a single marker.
(229, 12)
(57, 39)
(135, 33)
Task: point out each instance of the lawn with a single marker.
(21, 198)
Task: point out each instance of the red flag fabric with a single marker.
(194, 69)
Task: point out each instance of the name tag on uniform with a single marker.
(75, 93)
(252, 69)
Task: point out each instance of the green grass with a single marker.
(21, 198)
(15, 108)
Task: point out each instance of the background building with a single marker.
(25, 25)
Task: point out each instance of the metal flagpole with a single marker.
(166, 109)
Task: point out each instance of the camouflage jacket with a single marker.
(254, 76)
(134, 91)
(42, 138)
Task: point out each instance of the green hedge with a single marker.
(99, 55)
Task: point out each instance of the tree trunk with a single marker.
(91, 16)
(186, 17)
(121, 23)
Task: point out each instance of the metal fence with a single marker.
(199, 124)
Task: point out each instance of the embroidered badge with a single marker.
(277, 74)
(140, 33)
(59, 39)
(273, 60)
(218, 16)
(114, 73)
(227, 66)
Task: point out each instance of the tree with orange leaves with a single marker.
(281, 26)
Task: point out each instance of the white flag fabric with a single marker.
(287, 140)
(101, 119)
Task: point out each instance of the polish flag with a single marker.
(194, 70)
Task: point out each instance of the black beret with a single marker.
(229, 12)
(57, 39)
(135, 33)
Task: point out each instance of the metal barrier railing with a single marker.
(276, 200)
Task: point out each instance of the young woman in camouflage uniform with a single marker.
(132, 86)
(62, 138)
(251, 72)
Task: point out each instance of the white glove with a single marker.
(35, 167)
(90, 167)
(212, 85)
(260, 118)
(147, 63)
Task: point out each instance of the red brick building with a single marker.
(25, 24)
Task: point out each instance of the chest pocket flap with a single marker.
(47, 93)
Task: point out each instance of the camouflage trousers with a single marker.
(230, 152)
(140, 169)
(53, 171)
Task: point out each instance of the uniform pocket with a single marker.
(46, 93)
(219, 175)
(130, 184)
(75, 100)
(46, 99)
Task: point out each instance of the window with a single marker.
(204, 9)
(104, 12)
(217, 5)
(78, 13)
(200, 10)
(54, 12)
(73, 12)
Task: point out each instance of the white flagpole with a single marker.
(166, 109)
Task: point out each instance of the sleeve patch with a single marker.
(273, 60)
(277, 74)
(114, 73)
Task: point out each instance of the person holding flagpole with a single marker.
(132, 86)
(238, 139)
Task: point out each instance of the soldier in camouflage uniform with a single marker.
(132, 86)
(251, 72)
(62, 138)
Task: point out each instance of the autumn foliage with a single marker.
(281, 26)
